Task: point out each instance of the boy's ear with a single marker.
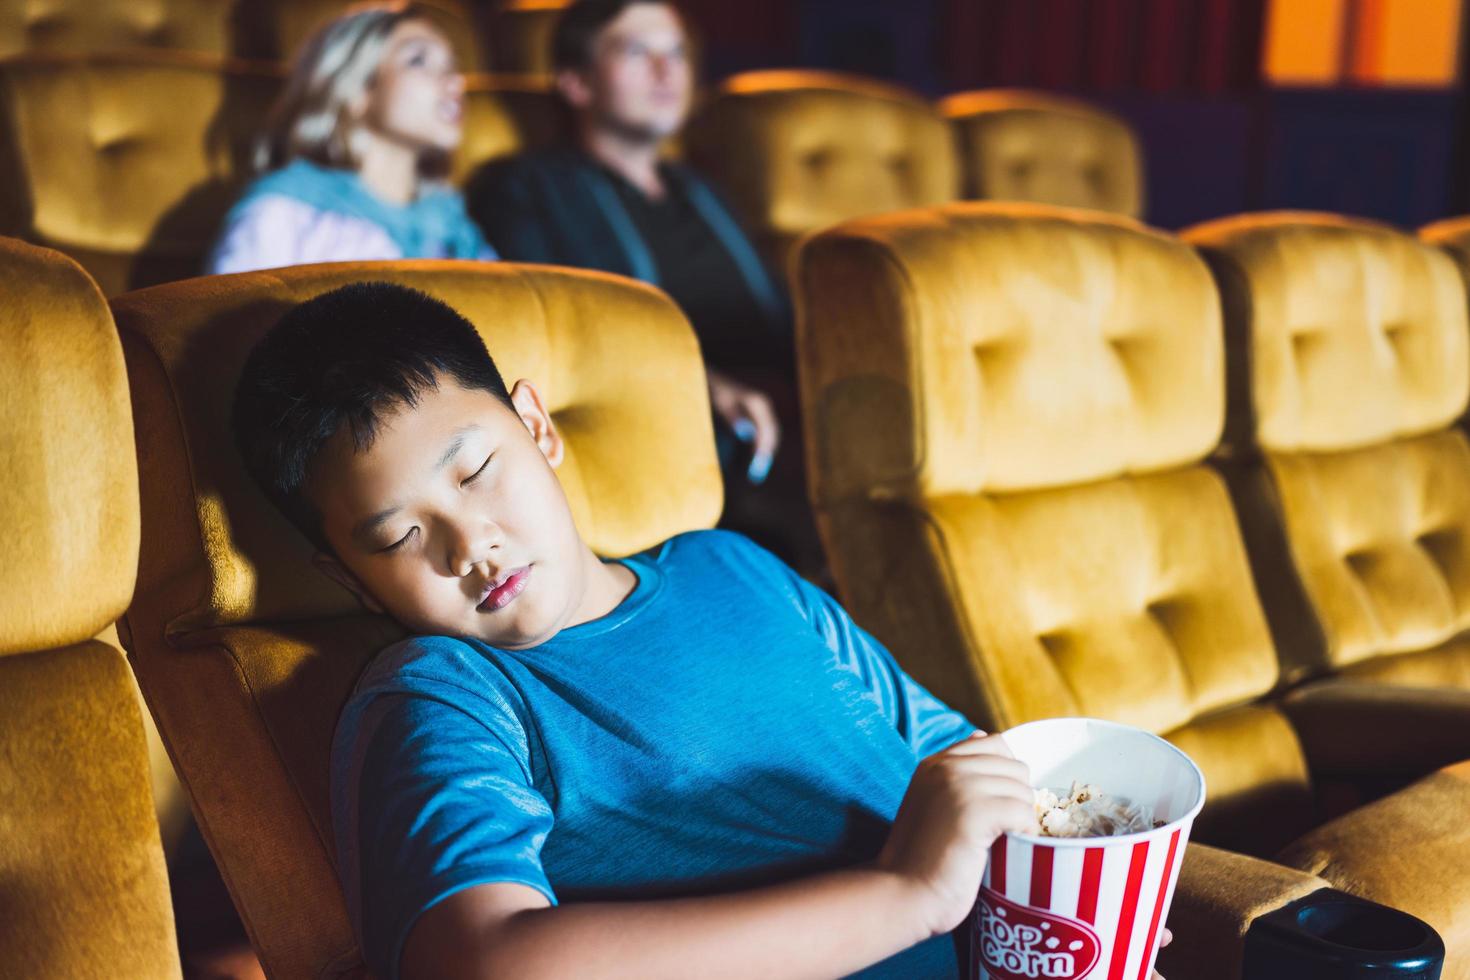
(533, 413)
(337, 572)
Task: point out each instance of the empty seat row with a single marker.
(1015, 417)
(128, 161)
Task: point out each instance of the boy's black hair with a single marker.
(346, 358)
(580, 23)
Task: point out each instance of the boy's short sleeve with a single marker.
(431, 793)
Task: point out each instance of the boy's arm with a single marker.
(922, 885)
(822, 926)
(927, 723)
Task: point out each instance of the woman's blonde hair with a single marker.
(335, 67)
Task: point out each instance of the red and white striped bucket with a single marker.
(1074, 908)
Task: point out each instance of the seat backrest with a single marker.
(1349, 352)
(275, 29)
(126, 162)
(246, 653)
(1005, 406)
(507, 115)
(520, 36)
(83, 890)
(81, 26)
(801, 150)
(1017, 145)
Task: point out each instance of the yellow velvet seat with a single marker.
(801, 150)
(1017, 145)
(246, 653)
(270, 30)
(1008, 405)
(83, 890)
(127, 162)
(1351, 361)
(101, 25)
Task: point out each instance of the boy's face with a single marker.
(453, 522)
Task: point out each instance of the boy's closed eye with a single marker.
(396, 545)
(470, 480)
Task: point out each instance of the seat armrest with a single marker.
(1219, 895)
(1357, 728)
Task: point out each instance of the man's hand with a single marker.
(752, 417)
(958, 802)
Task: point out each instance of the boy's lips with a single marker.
(502, 591)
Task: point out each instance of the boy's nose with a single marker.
(470, 551)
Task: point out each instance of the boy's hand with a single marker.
(958, 802)
(1166, 938)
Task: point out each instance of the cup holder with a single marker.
(1331, 935)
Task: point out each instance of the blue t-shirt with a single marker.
(727, 725)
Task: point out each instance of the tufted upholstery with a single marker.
(126, 162)
(1090, 580)
(520, 36)
(1006, 402)
(1058, 355)
(1029, 146)
(264, 29)
(99, 25)
(801, 150)
(83, 890)
(503, 116)
(1348, 333)
(246, 653)
(1349, 343)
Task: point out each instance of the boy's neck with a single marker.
(607, 585)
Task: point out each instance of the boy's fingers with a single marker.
(990, 765)
(980, 745)
(1167, 938)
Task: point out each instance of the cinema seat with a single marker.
(1350, 362)
(81, 26)
(275, 29)
(800, 150)
(83, 890)
(126, 162)
(1007, 406)
(1016, 145)
(506, 115)
(520, 36)
(245, 653)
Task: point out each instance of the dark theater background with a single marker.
(1352, 106)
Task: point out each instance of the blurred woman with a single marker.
(354, 156)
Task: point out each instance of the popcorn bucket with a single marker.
(1088, 907)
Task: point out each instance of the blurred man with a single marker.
(609, 201)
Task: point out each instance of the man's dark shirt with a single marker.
(563, 207)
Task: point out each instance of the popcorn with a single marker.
(1086, 811)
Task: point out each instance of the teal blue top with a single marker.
(434, 225)
(727, 725)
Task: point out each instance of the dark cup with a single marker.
(1331, 935)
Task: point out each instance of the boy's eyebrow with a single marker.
(365, 527)
(456, 443)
